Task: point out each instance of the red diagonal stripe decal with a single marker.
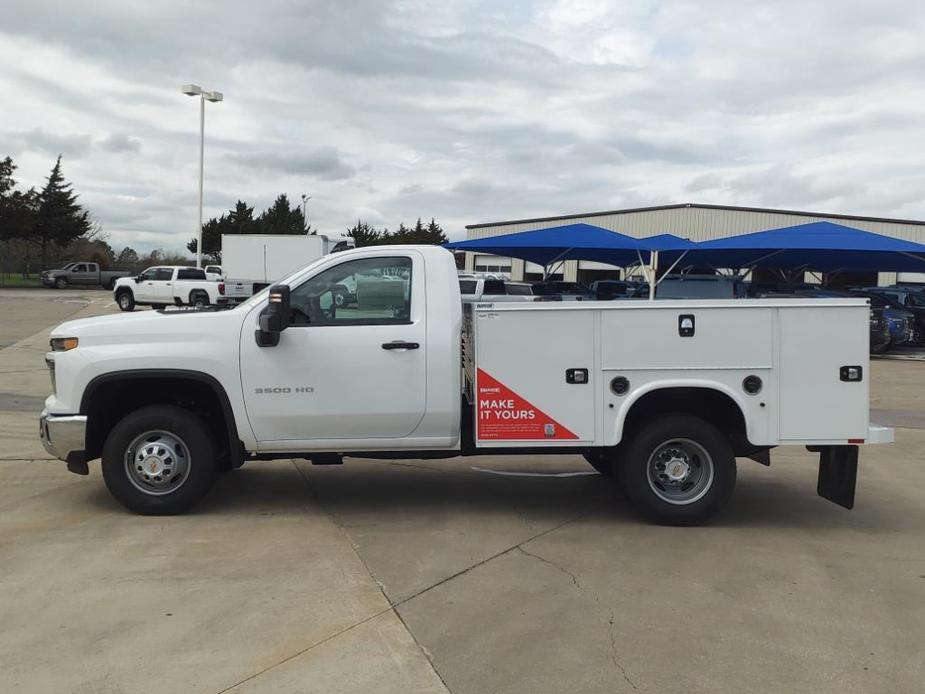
(501, 414)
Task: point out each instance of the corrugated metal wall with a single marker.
(694, 223)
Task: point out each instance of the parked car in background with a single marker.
(615, 289)
(908, 300)
(82, 274)
(700, 287)
(902, 322)
(879, 332)
(169, 285)
(475, 289)
(557, 290)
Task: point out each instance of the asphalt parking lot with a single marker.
(470, 575)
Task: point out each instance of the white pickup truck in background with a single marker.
(660, 395)
(169, 285)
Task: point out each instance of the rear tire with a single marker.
(199, 299)
(678, 470)
(126, 300)
(159, 460)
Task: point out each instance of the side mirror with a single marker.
(274, 318)
(138, 278)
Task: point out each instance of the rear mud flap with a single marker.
(838, 474)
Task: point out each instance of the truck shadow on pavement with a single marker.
(362, 490)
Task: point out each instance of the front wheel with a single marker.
(159, 460)
(61, 283)
(679, 470)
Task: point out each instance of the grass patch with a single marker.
(17, 281)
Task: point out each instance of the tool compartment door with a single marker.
(815, 403)
(535, 377)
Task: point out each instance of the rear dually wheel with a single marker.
(679, 470)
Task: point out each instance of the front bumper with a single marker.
(64, 436)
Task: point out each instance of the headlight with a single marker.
(63, 344)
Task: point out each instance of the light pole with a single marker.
(204, 96)
(305, 199)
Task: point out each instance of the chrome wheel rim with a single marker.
(123, 301)
(157, 462)
(680, 471)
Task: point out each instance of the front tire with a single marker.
(125, 300)
(61, 283)
(159, 460)
(679, 470)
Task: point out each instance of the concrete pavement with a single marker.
(381, 576)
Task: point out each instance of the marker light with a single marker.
(63, 344)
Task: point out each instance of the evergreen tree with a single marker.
(430, 234)
(239, 220)
(281, 218)
(59, 219)
(16, 209)
(364, 234)
(434, 233)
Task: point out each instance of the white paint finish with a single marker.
(814, 402)
(727, 337)
(733, 339)
(529, 353)
(760, 421)
(351, 388)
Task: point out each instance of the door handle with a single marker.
(400, 344)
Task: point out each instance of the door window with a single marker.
(91, 267)
(80, 268)
(370, 291)
(163, 273)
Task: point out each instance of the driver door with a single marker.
(352, 373)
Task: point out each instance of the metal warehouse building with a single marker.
(690, 220)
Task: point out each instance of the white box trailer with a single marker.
(254, 261)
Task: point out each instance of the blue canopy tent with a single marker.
(554, 244)
(819, 246)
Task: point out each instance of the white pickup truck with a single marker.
(662, 396)
(169, 285)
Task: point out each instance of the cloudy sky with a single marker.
(465, 111)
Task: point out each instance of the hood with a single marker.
(151, 327)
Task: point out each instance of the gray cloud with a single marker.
(119, 142)
(325, 163)
(466, 111)
(71, 146)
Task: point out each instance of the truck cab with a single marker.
(167, 399)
